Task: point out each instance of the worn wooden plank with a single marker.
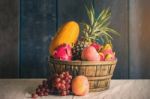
(38, 23)
(9, 38)
(139, 39)
(119, 22)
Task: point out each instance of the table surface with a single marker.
(119, 89)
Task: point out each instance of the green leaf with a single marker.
(91, 14)
(105, 33)
(112, 31)
(104, 19)
(107, 40)
(98, 28)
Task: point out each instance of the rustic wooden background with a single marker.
(26, 27)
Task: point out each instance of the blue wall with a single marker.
(39, 20)
(26, 27)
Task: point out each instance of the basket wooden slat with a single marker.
(99, 73)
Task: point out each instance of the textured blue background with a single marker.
(39, 19)
(26, 27)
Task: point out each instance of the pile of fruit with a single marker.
(63, 84)
(89, 41)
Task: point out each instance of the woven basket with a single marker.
(99, 73)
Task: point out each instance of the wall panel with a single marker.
(37, 24)
(139, 39)
(9, 14)
(119, 21)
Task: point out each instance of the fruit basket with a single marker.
(85, 49)
(99, 73)
(82, 58)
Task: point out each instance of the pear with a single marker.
(90, 54)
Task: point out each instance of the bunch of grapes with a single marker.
(58, 84)
(62, 83)
(42, 90)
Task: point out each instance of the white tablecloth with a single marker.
(119, 89)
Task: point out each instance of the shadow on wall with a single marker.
(9, 38)
(139, 39)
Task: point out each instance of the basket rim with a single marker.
(76, 62)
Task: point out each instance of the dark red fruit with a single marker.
(68, 81)
(37, 90)
(44, 82)
(66, 78)
(63, 93)
(67, 74)
(52, 90)
(45, 93)
(61, 76)
(43, 89)
(34, 95)
(67, 86)
(47, 90)
(46, 85)
(63, 87)
(40, 86)
(56, 75)
(63, 73)
(63, 82)
(41, 94)
(68, 92)
(58, 85)
(58, 80)
(70, 76)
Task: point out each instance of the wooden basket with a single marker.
(99, 73)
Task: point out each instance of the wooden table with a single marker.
(119, 89)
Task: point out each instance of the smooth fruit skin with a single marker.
(102, 56)
(110, 57)
(90, 54)
(108, 53)
(68, 34)
(80, 85)
(107, 47)
(96, 46)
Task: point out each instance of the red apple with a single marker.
(90, 54)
